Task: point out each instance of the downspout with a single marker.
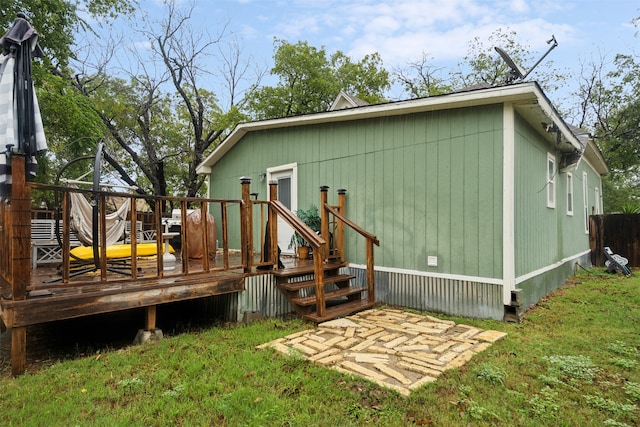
(508, 203)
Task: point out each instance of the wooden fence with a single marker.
(620, 232)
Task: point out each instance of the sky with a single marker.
(401, 30)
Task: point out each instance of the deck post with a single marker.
(244, 223)
(204, 229)
(159, 238)
(324, 215)
(20, 253)
(150, 318)
(272, 219)
(339, 244)
(371, 296)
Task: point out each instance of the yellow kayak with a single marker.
(119, 250)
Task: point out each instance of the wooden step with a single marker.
(328, 296)
(296, 286)
(308, 269)
(340, 310)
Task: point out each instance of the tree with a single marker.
(309, 81)
(419, 78)
(483, 66)
(71, 127)
(609, 106)
(617, 129)
(59, 21)
(161, 119)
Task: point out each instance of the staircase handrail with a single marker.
(353, 225)
(315, 241)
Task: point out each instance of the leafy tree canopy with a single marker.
(58, 21)
(309, 80)
(71, 126)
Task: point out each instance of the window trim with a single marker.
(570, 199)
(585, 201)
(551, 181)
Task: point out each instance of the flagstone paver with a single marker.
(398, 350)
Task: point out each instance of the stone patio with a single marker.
(392, 348)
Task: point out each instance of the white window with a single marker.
(551, 181)
(585, 201)
(598, 202)
(569, 193)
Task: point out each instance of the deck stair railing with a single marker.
(328, 248)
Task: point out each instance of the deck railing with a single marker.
(73, 268)
(340, 220)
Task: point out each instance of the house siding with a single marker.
(427, 184)
(546, 235)
(536, 225)
(548, 242)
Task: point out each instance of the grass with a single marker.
(572, 361)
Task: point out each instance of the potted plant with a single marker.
(311, 218)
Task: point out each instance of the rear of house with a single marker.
(480, 199)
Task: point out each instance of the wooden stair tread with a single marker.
(308, 269)
(328, 296)
(340, 310)
(296, 286)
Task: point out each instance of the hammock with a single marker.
(82, 220)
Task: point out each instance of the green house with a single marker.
(480, 199)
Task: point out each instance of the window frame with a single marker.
(570, 199)
(585, 201)
(551, 181)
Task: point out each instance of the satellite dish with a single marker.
(516, 73)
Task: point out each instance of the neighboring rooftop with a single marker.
(344, 100)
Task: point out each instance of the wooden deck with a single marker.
(32, 294)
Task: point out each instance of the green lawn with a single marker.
(573, 361)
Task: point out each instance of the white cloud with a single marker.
(401, 30)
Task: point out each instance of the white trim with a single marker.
(598, 203)
(570, 199)
(285, 231)
(293, 167)
(551, 181)
(508, 202)
(550, 267)
(492, 281)
(592, 154)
